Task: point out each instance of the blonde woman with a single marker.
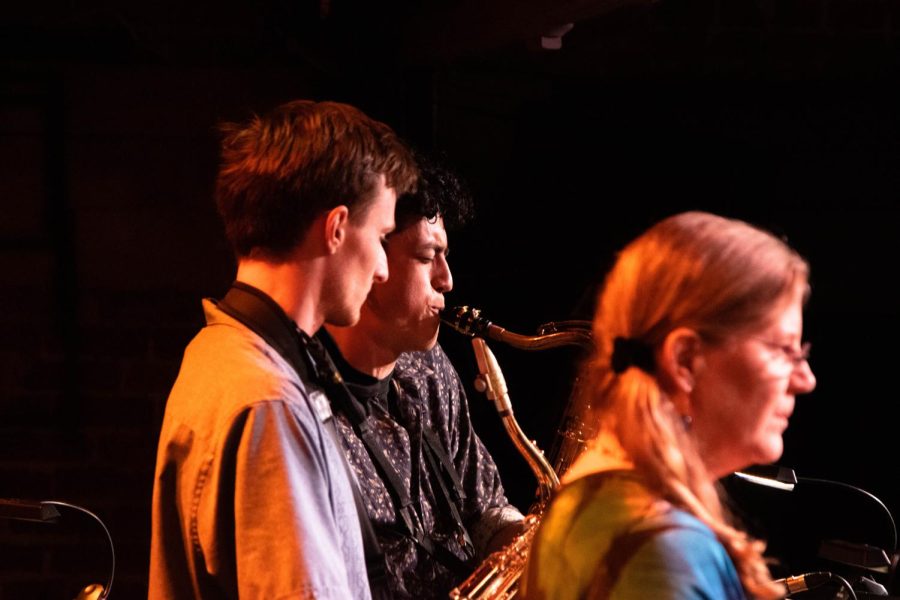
(699, 360)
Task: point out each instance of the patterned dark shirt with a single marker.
(424, 391)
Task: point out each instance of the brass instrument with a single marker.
(468, 321)
(492, 383)
(497, 578)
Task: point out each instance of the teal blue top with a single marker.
(608, 536)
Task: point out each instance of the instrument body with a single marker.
(497, 577)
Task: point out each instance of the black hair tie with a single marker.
(629, 352)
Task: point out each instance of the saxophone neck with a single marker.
(493, 384)
(471, 322)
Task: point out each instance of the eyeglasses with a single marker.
(795, 356)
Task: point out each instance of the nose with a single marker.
(442, 278)
(803, 381)
(381, 267)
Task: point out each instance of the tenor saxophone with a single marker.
(497, 578)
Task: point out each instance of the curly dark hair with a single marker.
(439, 192)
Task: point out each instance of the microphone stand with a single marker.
(808, 581)
(868, 495)
(46, 511)
(859, 556)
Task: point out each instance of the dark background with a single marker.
(782, 113)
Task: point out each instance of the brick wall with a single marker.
(108, 241)
(79, 424)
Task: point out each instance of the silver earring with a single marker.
(688, 421)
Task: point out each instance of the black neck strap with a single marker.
(262, 315)
(438, 462)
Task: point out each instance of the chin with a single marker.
(345, 318)
(425, 345)
(771, 452)
(426, 338)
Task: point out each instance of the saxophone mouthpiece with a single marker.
(466, 320)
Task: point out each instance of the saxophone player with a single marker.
(431, 490)
(698, 363)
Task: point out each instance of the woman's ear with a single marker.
(336, 227)
(677, 363)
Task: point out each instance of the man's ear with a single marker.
(677, 363)
(336, 222)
